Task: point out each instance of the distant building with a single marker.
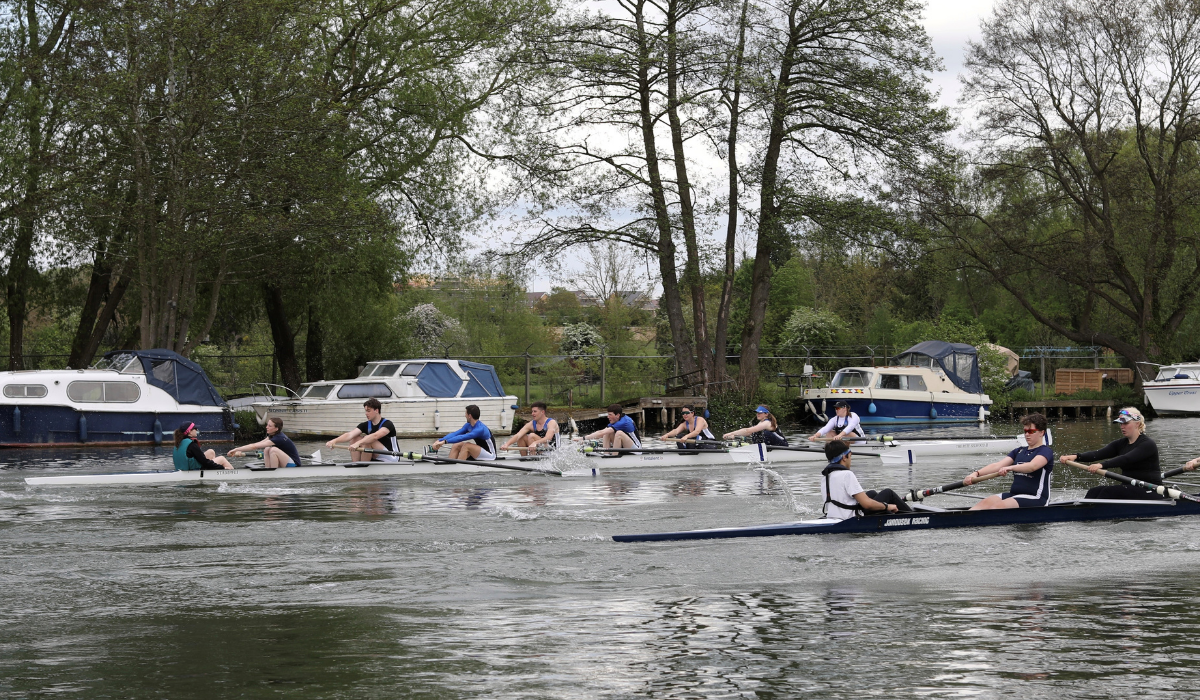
(632, 299)
(532, 299)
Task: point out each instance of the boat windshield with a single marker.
(1167, 373)
(412, 369)
(125, 363)
(318, 391)
(386, 370)
(851, 377)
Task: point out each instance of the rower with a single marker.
(844, 424)
(1135, 454)
(278, 449)
(472, 441)
(541, 432)
(1030, 466)
(766, 430)
(189, 456)
(693, 431)
(377, 433)
(844, 497)
(620, 431)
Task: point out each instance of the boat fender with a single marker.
(933, 413)
(822, 407)
(157, 431)
(706, 414)
(572, 428)
(1049, 436)
(82, 428)
(871, 408)
(437, 419)
(16, 420)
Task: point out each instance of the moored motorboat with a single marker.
(1175, 391)
(926, 517)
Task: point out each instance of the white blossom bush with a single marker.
(432, 330)
(580, 339)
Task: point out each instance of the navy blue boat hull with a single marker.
(61, 425)
(1067, 511)
(893, 411)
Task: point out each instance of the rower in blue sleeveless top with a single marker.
(1030, 466)
(694, 432)
(189, 456)
(541, 432)
(620, 431)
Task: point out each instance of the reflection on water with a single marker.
(507, 585)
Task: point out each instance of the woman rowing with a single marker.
(694, 432)
(278, 449)
(843, 425)
(1135, 454)
(189, 456)
(1030, 466)
(844, 497)
(766, 430)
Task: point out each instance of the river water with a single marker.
(508, 585)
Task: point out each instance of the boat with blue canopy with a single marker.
(931, 382)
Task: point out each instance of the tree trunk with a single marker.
(281, 334)
(98, 287)
(692, 277)
(314, 348)
(721, 341)
(107, 314)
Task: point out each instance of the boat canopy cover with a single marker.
(176, 375)
(481, 380)
(959, 361)
(440, 381)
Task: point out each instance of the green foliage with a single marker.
(808, 327)
(580, 339)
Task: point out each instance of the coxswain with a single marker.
(278, 449)
(693, 432)
(1135, 454)
(620, 431)
(1030, 466)
(541, 432)
(844, 424)
(766, 430)
(844, 497)
(189, 456)
(472, 441)
(377, 433)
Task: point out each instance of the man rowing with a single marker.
(541, 432)
(1030, 466)
(844, 497)
(693, 431)
(766, 430)
(1135, 454)
(843, 425)
(472, 441)
(377, 433)
(620, 431)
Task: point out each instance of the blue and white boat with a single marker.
(130, 396)
(931, 382)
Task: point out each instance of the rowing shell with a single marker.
(216, 476)
(926, 517)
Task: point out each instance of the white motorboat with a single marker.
(1175, 391)
(423, 398)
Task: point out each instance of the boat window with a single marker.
(888, 381)
(851, 377)
(364, 391)
(1165, 373)
(318, 391)
(388, 370)
(913, 382)
(366, 371)
(24, 391)
(412, 369)
(103, 392)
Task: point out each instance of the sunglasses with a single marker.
(687, 413)
(1031, 431)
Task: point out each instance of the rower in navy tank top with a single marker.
(693, 432)
(540, 433)
(1031, 467)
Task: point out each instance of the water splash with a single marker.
(788, 496)
(506, 511)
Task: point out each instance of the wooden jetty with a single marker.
(1076, 406)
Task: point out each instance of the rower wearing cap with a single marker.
(1135, 454)
(1030, 466)
(189, 456)
(766, 430)
(694, 432)
(844, 497)
(620, 431)
(844, 424)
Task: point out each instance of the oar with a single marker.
(925, 493)
(1160, 490)
(639, 450)
(705, 441)
(417, 457)
(1175, 472)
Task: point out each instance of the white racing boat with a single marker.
(584, 463)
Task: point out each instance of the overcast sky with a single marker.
(951, 24)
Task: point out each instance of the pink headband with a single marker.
(189, 428)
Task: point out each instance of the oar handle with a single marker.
(1156, 488)
(922, 494)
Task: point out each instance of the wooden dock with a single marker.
(1076, 406)
(659, 410)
